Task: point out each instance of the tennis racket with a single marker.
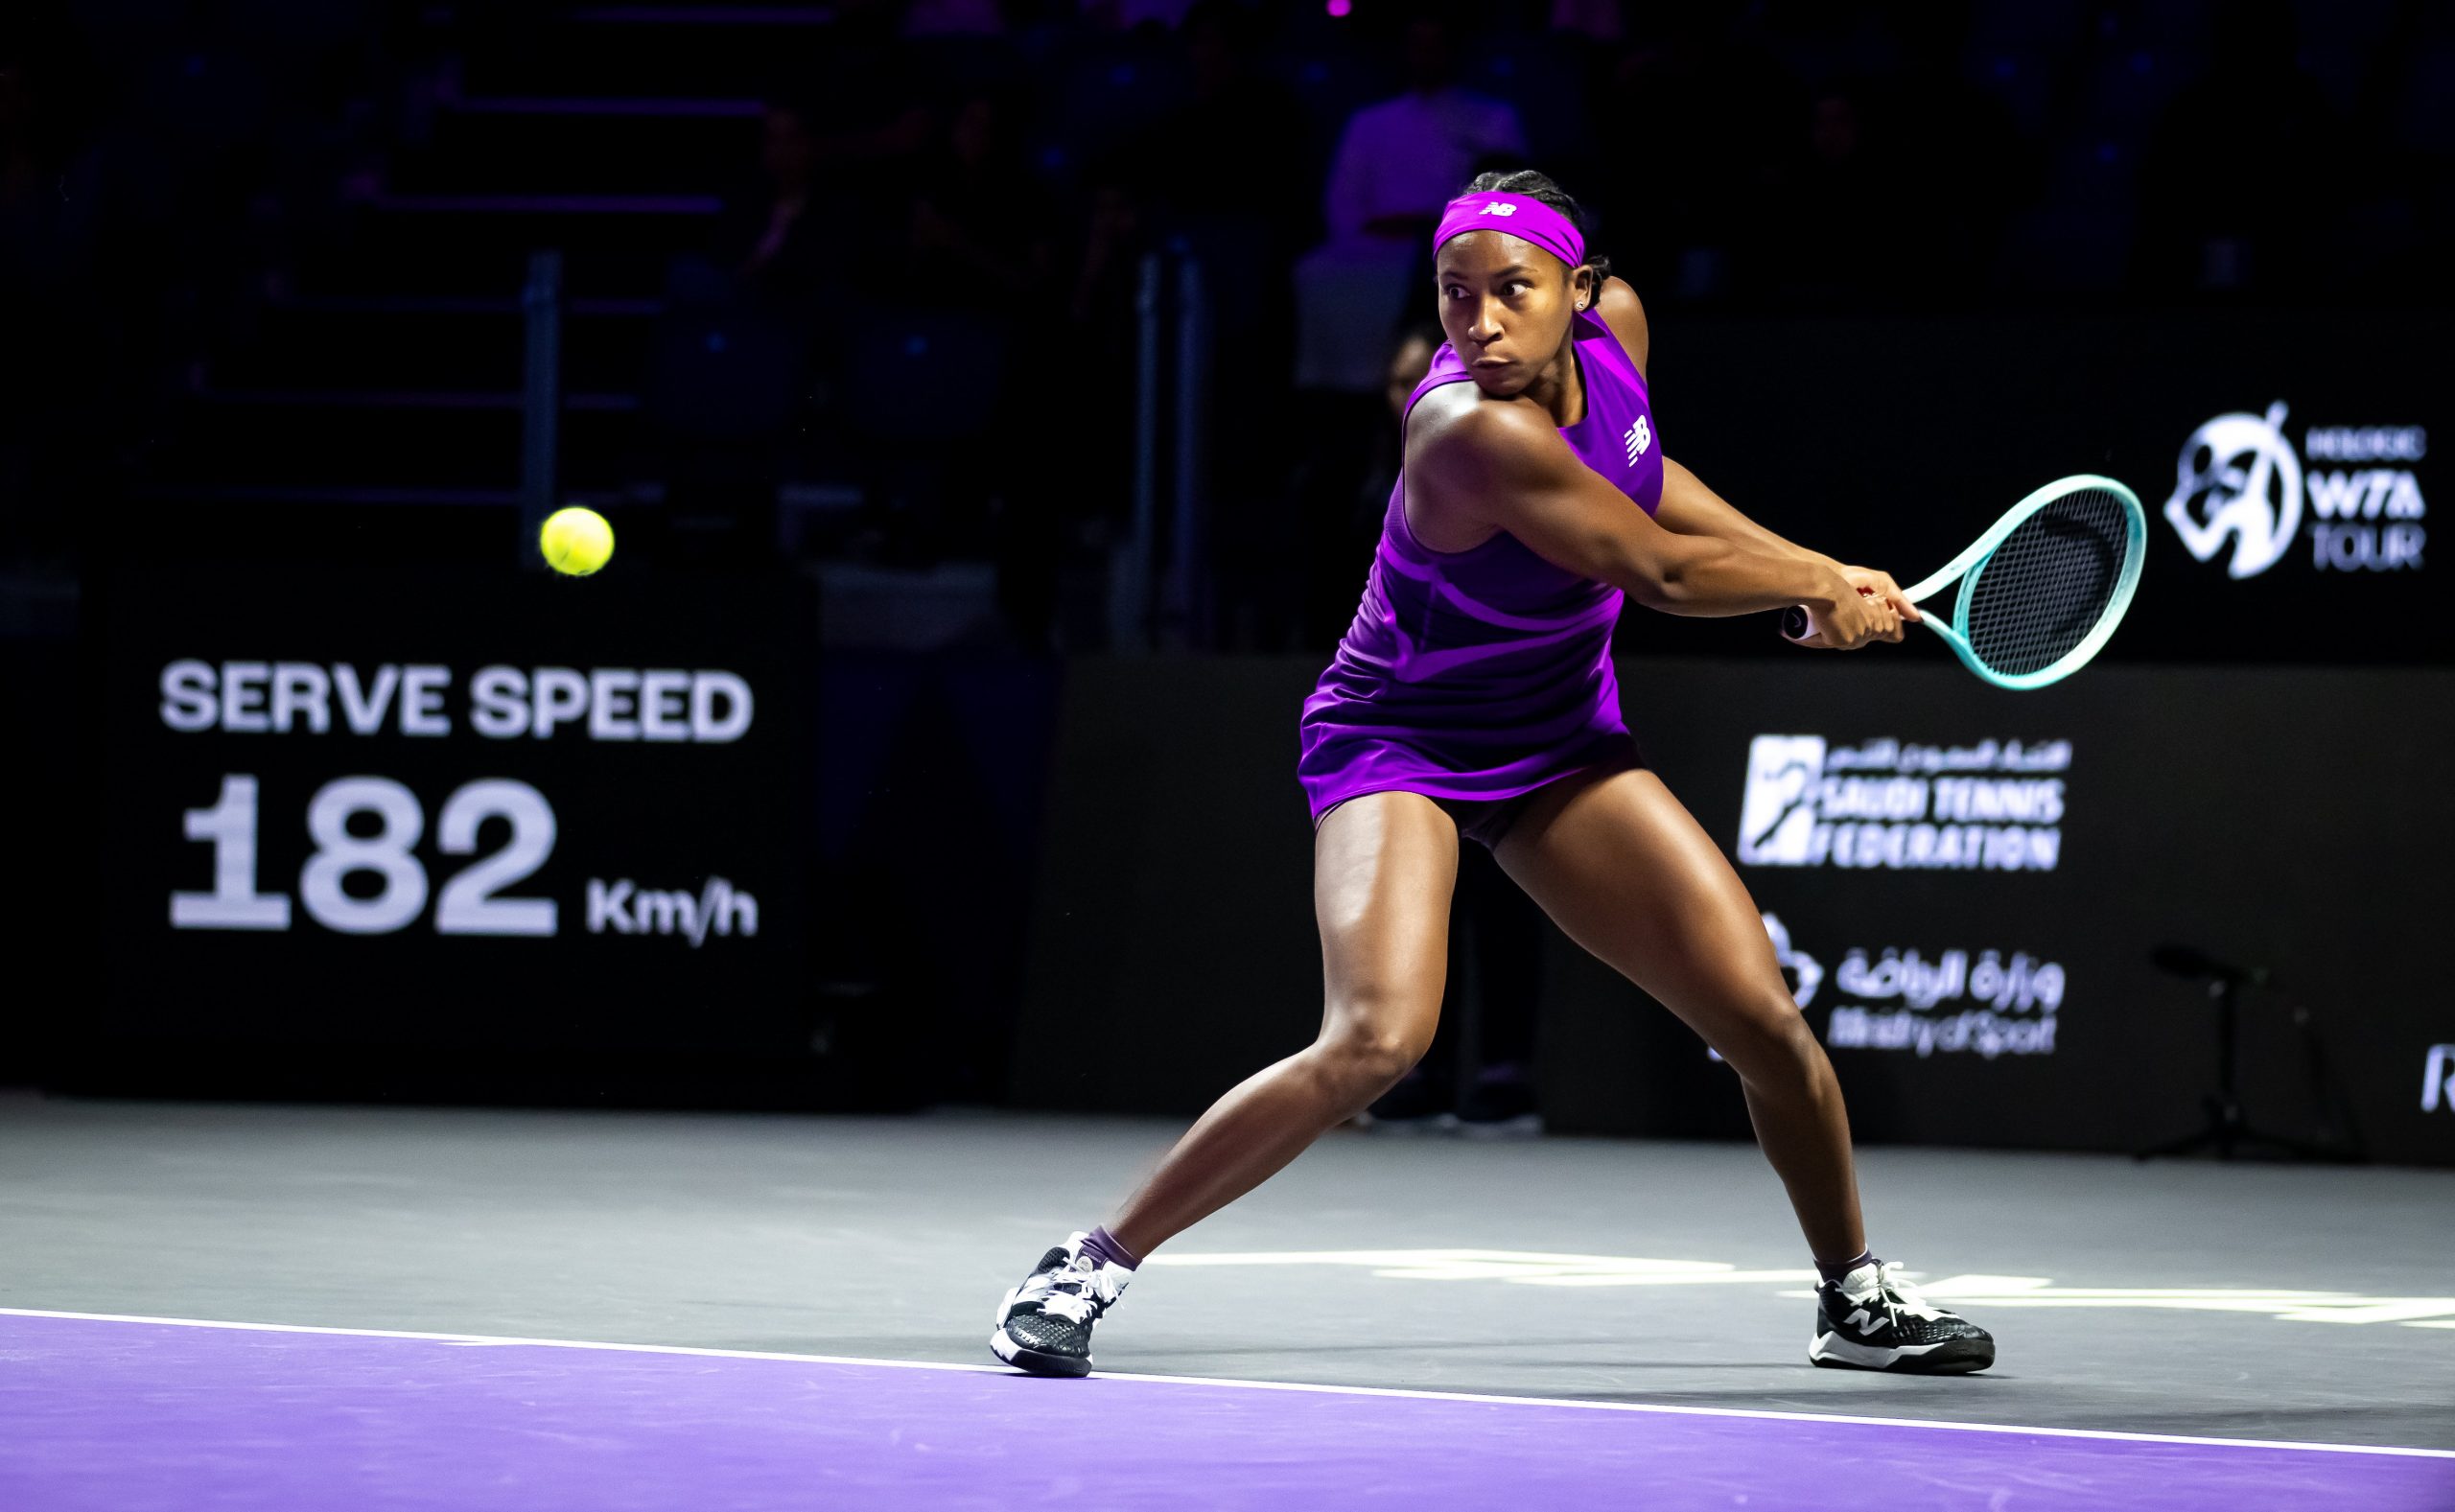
(2042, 590)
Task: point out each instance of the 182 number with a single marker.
(469, 904)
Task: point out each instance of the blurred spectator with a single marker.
(1398, 163)
(2400, 234)
(2254, 123)
(1345, 537)
(945, 236)
(867, 102)
(1903, 187)
(976, 234)
(1200, 160)
(1195, 167)
(1099, 336)
(1408, 361)
(981, 273)
(1702, 134)
(731, 349)
(1960, 162)
(768, 244)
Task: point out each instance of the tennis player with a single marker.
(1474, 694)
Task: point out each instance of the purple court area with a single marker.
(126, 1414)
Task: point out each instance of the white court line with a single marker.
(1660, 1409)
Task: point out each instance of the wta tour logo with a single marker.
(2238, 482)
(1995, 805)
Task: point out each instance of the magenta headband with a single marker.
(1518, 215)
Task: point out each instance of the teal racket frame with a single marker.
(1970, 566)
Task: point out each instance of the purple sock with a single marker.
(1834, 1271)
(1102, 1246)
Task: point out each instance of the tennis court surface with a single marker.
(254, 1307)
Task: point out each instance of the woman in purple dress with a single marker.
(1474, 695)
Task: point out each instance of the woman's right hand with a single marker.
(1855, 617)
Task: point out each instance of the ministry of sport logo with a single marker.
(1986, 1003)
(2239, 482)
(1801, 972)
(1899, 805)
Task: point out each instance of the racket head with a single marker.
(2041, 591)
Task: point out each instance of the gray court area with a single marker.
(893, 1239)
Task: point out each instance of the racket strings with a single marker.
(2041, 593)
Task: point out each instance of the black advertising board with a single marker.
(442, 818)
(1965, 887)
(2284, 458)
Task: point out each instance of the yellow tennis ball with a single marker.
(576, 540)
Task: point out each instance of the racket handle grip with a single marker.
(1795, 623)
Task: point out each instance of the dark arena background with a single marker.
(483, 1037)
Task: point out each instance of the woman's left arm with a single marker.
(1689, 508)
(1692, 509)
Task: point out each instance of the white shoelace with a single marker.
(1074, 1292)
(1897, 1295)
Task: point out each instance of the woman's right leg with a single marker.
(1383, 869)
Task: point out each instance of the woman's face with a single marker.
(1505, 304)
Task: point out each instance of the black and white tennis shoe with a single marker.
(1044, 1325)
(1871, 1319)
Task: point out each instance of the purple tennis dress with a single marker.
(1486, 673)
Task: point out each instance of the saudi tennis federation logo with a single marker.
(1903, 805)
(1778, 816)
(1639, 437)
(2238, 479)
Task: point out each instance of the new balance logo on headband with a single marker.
(1500, 207)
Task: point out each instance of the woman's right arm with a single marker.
(1507, 464)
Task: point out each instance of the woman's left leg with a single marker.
(1628, 873)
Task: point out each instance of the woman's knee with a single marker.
(1771, 1045)
(1365, 1053)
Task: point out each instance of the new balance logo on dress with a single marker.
(1639, 437)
